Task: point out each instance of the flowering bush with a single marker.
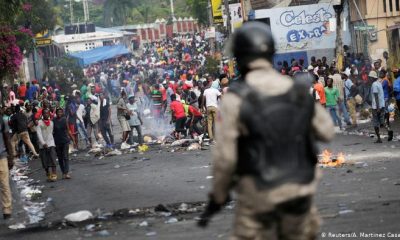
(26, 7)
(24, 38)
(10, 53)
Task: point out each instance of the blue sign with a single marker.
(298, 35)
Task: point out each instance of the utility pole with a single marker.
(172, 8)
(211, 41)
(339, 41)
(86, 10)
(228, 17)
(71, 11)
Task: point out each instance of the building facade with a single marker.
(375, 25)
(304, 31)
(160, 29)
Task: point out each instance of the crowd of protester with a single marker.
(165, 83)
(364, 89)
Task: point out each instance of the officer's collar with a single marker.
(259, 64)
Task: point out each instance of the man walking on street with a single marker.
(135, 121)
(210, 101)
(332, 98)
(378, 107)
(105, 120)
(122, 113)
(351, 92)
(19, 126)
(338, 83)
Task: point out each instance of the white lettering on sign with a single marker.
(289, 18)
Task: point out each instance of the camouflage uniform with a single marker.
(252, 203)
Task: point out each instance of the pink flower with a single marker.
(26, 31)
(26, 7)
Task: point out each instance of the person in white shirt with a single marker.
(80, 113)
(44, 131)
(94, 120)
(210, 102)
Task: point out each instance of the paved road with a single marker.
(370, 190)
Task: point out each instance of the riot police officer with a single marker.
(265, 146)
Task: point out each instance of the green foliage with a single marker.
(107, 13)
(116, 12)
(211, 65)
(39, 18)
(199, 10)
(20, 20)
(9, 9)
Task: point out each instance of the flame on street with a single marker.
(328, 159)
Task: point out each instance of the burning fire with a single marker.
(330, 160)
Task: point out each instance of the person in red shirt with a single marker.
(22, 91)
(195, 117)
(178, 116)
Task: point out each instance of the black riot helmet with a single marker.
(250, 42)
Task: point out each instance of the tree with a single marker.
(116, 12)
(199, 10)
(37, 15)
(17, 20)
(9, 10)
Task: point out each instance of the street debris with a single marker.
(104, 233)
(117, 166)
(143, 224)
(165, 214)
(150, 234)
(194, 146)
(183, 142)
(172, 220)
(17, 226)
(200, 167)
(90, 227)
(95, 150)
(230, 205)
(209, 177)
(347, 211)
(143, 148)
(183, 207)
(29, 193)
(79, 216)
(114, 152)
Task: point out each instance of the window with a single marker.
(384, 5)
(397, 5)
(391, 5)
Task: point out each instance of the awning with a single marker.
(99, 54)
